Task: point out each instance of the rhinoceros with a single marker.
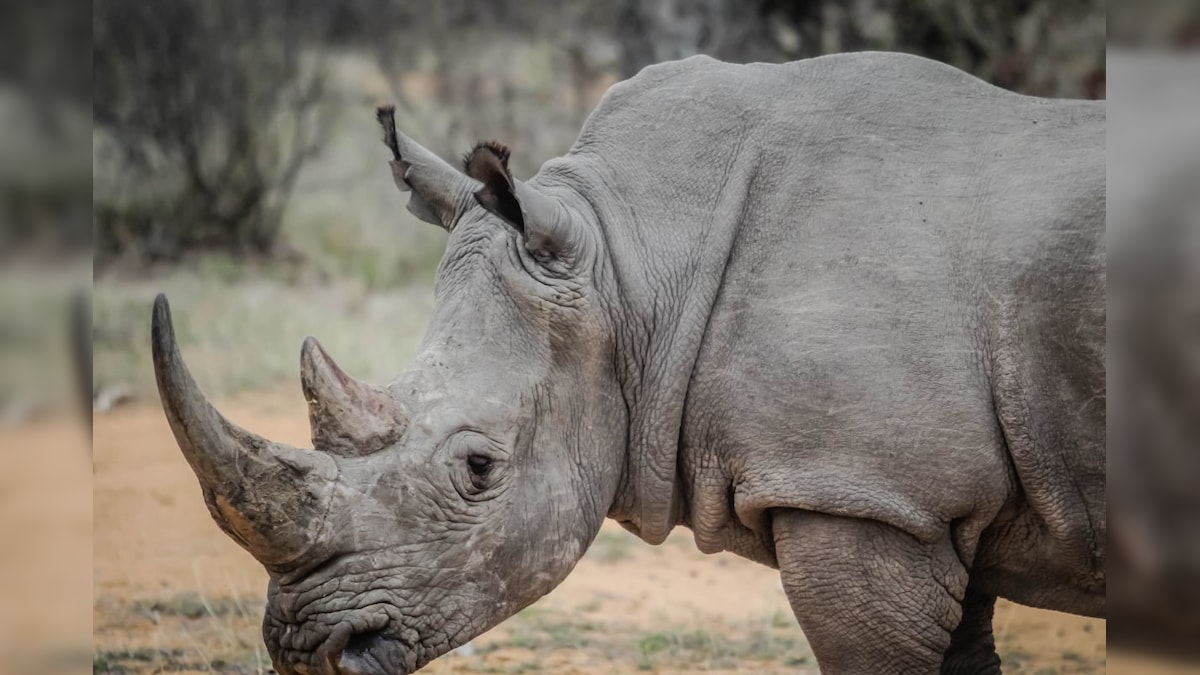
(844, 317)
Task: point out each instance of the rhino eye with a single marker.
(481, 466)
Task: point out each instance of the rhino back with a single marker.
(907, 310)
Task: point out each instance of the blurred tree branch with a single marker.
(1037, 47)
(213, 107)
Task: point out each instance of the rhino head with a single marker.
(431, 509)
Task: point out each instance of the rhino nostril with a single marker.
(360, 655)
(362, 642)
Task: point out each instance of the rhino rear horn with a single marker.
(271, 498)
(348, 417)
(440, 192)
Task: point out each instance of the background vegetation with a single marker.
(236, 159)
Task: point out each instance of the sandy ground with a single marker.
(173, 593)
(45, 547)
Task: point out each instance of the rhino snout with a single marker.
(356, 647)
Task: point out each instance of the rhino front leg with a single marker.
(972, 646)
(870, 598)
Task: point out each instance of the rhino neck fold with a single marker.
(668, 260)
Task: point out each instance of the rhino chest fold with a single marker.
(848, 445)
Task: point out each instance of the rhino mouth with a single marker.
(376, 652)
(350, 648)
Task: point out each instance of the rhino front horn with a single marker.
(269, 497)
(348, 417)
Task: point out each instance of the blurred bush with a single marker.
(1036, 47)
(1154, 335)
(45, 175)
(209, 114)
(45, 191)
(1154, 353)
(205, 112)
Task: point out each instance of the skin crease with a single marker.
(852, 328)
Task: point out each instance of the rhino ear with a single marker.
(488, 164)
(542, 220)
(440, 192)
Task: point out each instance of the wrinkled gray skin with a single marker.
(844, 317)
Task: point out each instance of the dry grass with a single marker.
(247, 334)
(185, 632)
(194, 632)
(35, 367)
